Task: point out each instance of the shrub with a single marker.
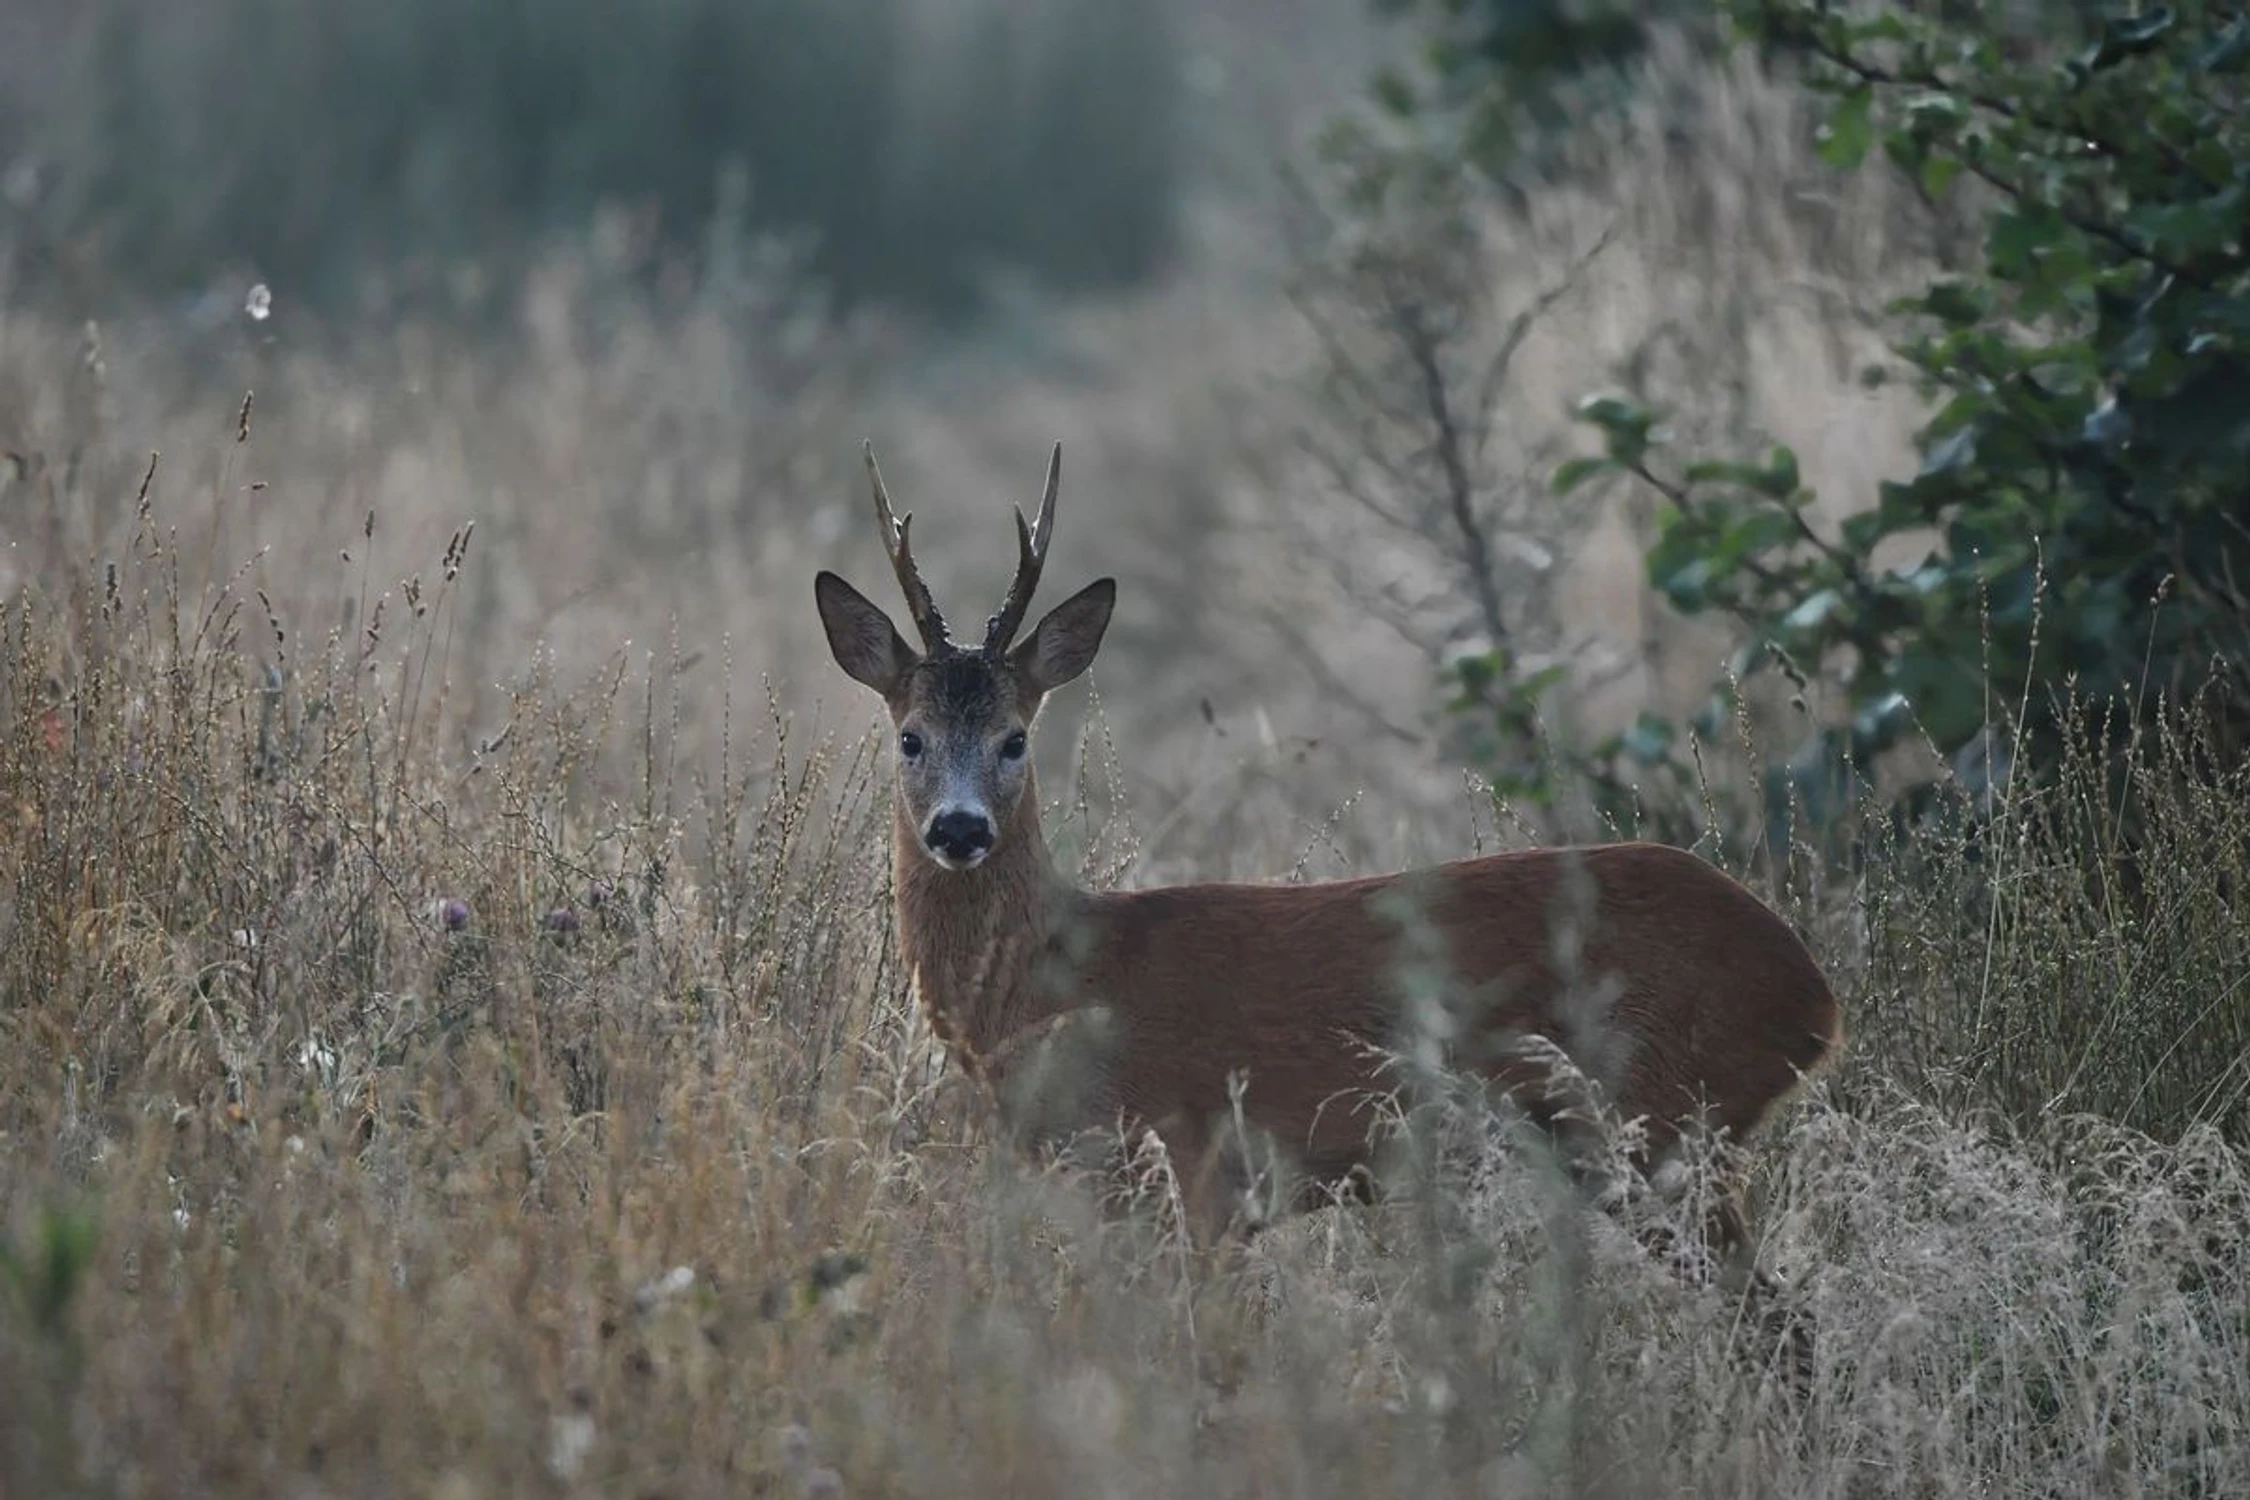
(2076, 530)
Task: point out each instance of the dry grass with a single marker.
(388, 1195)
(639, 459)
(450, 1042)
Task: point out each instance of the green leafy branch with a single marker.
(2082, 508)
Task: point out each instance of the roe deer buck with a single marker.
(1716, 1008)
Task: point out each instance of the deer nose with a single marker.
(960, 834)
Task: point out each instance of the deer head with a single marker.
(963, 714)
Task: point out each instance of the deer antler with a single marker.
(1031, 556)
(918, 601)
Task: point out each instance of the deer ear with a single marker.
(861, 637)
(1063, 644)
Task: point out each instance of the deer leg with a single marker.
(1779, 1332)
(1561, 1103)
(1724, 1248)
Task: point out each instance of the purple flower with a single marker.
(453, 914)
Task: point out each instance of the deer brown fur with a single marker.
(1677, 992)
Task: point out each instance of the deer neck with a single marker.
(974, 941)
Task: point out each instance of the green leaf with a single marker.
(1850, 130)
(1956, 303)
(2229, 51)
(1394, 94)
(1625, 427)
(1478, 670)
(1955, 452)
(2124, 37)
(2203, 417)
(1943, 692)
(2192, 228)
(1862, 530)
(1938, 174)
(1935, 116)
(1927, 578)
(2209, 156)
(1649, 739)
(1536, 686)
(1779, 478)
(1686, 583)
(1812, 612)
(1877, 727)
(2141, 32)
(1883, 26)
(1615, 412)
(1776, 478)
(1752, 533)
(2106, 427)
(1722, 471)
(1573, 472)
(2017, 240)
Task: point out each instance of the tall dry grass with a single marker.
(643, 458)
(551, 1119)
(452, 1043)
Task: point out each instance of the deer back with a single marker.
(1669, 984)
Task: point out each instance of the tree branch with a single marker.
(1520, 326)
(1460, 485)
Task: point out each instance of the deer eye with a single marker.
(910, 745)
(1012, 747)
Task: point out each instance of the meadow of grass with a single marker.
(451, 1041)
(384, 1119)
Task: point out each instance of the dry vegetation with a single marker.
(450, 1043)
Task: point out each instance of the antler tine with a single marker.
(919, 602)
(1031, 556)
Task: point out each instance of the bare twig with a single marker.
(1521, 325)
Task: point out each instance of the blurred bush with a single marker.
(2077, 527)
(339, 150)
(2071, 549)
(1511, 82)
(1514, 76)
